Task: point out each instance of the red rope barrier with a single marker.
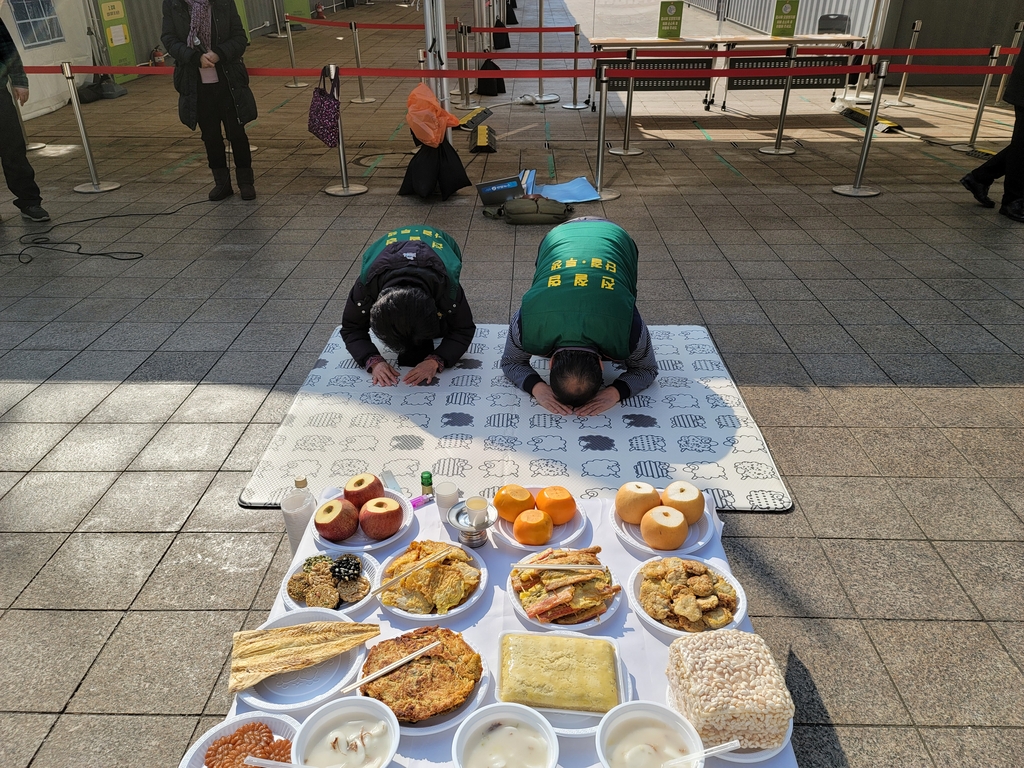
(360, 25)
(522, 29)
(926, 69)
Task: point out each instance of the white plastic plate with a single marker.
(434, 617)
(561, 536)
(743, 755)
(310, 687)
(359, 541)
(283, 727)
(370, 570)
(699, 534)
(569, 723)
(633, 593)
(584, 626)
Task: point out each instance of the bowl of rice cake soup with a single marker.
(643, 734)
(505, 734)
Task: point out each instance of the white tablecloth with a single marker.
(645, 654)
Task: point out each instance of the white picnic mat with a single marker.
(472, 426)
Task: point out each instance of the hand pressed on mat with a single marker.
(422, 373)
(602, 401)
(384, 375)
(545, 397)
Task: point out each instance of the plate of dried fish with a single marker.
(297, 661)
(679, 596)
(320, 580)
(556, 598)
(443, 587)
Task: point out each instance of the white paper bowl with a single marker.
(632, 589)
(283, 727)
(359, 541)
(370, 570)
(646, 710)
(503, 712)
(319, 724)
(310, 687)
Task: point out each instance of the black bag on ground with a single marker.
(501, 41)
(490, 86)
(510, 15)
(433, 167)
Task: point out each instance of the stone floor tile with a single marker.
(991, 370)
(218, 510)
(993, 452)
(783, 524)
(766, 370)
(45, 654)
(97, 741)
(98, 448)
(843, 370)
(962, 338)
(852, 507)
(12, 333)
(52, 501)
(929, 370)
(818, 451)
(1011, 635)
(890, 339)
(849, 747)
(991, 574)
(97, 365)
(271, 337)
(874, 406)
(250, 447)
(787, 577)
(913, 452)
(59, 402)
(209, 570)
(925, 660)
(150, 647)
(215, 403)
(140, 403)
(818, 338)
(23, 555)
(23, 445)
(8, 480)
(189, 447)
(789, 407)
(246, 368)
(927, 588)
(20, 737)
(95, 571)
(33, 366)
(276, 573)
(65, 335)
(202, 337)
(13, 393)
(960, 509)
(832, 672)
(134, 336)
(147, 502)
(975, 747)
(175, 367)
(276, 406)
(747, 339)
(962, 407)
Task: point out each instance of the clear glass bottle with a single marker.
(298, 507)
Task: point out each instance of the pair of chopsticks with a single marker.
(558, 567)
(390, 667)
(419, 564)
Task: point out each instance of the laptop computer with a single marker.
(496, 192)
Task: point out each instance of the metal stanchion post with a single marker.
(421, 59)
(993, 60)
(625, 149)
(778, 149)
(855, 189)
(540, 97)
(465, 90)
(606, 194)
(291, 56)
(345, 189)
(916, 30)
(30, 146)
(363, 98)
(276, 35)
(575, 65)
(96, 185)
(457, 91)
(1017, 30)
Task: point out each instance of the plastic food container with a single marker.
(472, 727)
(646, 710)
(333, 713)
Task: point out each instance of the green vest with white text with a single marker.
(440, 242)
(584, 291)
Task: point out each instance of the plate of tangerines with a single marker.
(535, 518)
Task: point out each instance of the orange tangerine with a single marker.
(558, 503)
(533, 527)
(511, 500)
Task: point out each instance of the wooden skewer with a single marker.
(390, 667)
(557, 567)
(419, 564)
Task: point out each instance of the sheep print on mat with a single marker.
(473, 427)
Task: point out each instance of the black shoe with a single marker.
(1014, 210)
(35, 213)
(979, 190)
(222, 189)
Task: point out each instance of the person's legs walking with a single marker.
(13, 156)
(240, 149)
(208, 114)
(980, 179)
(1013, 184)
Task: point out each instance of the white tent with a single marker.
(48, 93)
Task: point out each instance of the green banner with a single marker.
(240, 5)
(784, 23)
(299, 8)
(117, 36)
(670, 20)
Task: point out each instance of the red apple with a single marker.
(380, 518)
(337, 520)
(361, 488)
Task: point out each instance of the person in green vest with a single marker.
(408, 294)
(580, 313)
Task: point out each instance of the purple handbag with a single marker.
(324, 109)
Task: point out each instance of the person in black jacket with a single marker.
(207, 40)
(1009, 162)
(21, 179)
(408, 294)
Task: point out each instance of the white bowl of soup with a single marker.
(354, 732)
(642, 734)
(518, 735)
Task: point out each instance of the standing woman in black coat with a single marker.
(207, 40)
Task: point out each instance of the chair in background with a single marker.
(834, 24)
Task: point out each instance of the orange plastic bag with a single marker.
(425, 117)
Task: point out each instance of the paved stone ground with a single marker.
(878, 343)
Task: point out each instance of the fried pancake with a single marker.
(435, 683)
(439, 586)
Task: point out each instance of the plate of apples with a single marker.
(364, 517)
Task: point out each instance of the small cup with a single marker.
(476, 510)
(446, 495)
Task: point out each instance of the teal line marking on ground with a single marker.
(943, 160)
(1000, 122)
(181, 163)
(373, 165)
(395, 133)
(949, 101)
(698, 127)
(274, 109)
(727, 164)
(551, 157)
